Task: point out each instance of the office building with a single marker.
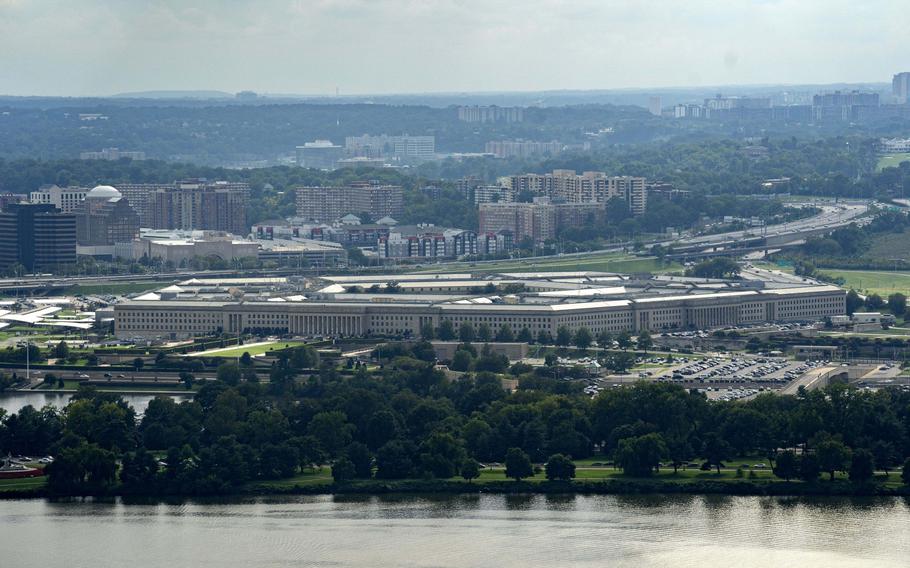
(328, 204)
(319, 155)
(198, 204)
(179, 247)
(404, 148)
(356, 306)
(900, 88)
(103, 219)
(490, 114)
(112, 154)
(39, 237)
(66, 199)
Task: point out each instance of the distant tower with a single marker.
(900, 87)
(654, 106)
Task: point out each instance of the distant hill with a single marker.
(174, 95)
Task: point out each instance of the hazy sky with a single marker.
(96, 47)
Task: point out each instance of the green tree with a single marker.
(246, 360)
(61, 351)
(466, 332)
(624, 340)
(786, 466)
(854, 302)
(559, 467)
(833, 456)
(645, 342)
(470, 470)
(138, 363)
(462, 360)
(361, 458)
(715, 450)
(484, 333)
(331, 430)
(808, 468)
(640, 456)
(905, 472)
(583, 338)
(427, 332)
(563, 336)
(518, 464)
(897, 303)
(395, 460)
(228, 373)
(343, 470)
(187, 379)
(505, 335)
(525, 335)
(544, 338)
(862, 466)
(446, 330)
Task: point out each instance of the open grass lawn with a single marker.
(880, 282)
(891, 161)
(23, 484)
(254, 349)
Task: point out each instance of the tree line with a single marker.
(407, 420)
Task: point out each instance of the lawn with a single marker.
(24, 484)
(891, 161)
(253, 350)
(882, 282)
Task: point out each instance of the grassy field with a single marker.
(882, 283)
(891, 161)
(23, 484)
(586, 471)
(252, 350)
(606, 262)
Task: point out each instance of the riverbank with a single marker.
(618, 485)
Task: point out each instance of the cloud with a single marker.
(370, 46)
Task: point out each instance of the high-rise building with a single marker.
(105, 218)
(320, 155)
(900, 88)
(66, 199)
(536, 221)
(654, 105)
(199, 205)
(38, 236)
(327, 204)
(587, 187)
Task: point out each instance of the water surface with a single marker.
(486, 531)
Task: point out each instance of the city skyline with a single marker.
(90, 48)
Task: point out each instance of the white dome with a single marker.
(105, 191)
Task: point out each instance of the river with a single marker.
(488, 531)
(13, 401)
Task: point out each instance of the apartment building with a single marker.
(328, 204)
(587, 187)
(199, 205)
